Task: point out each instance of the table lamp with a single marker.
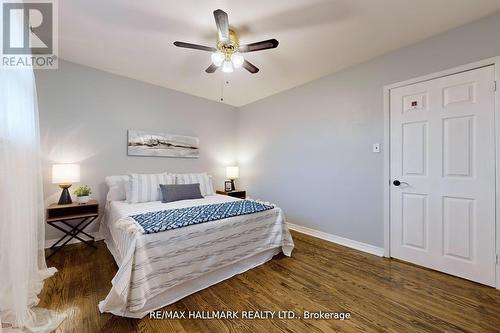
(64, 175)
(232, 173)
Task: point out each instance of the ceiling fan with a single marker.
(227, 51)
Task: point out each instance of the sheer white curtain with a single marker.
(22, 230)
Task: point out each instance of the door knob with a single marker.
(397, 183)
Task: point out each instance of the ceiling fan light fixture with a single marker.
(237, 60)
(227, 67)
(227, 51)
(217, 58)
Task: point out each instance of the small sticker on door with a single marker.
(414, 102)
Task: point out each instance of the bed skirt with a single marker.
(186, 288)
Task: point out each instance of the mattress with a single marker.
(158, 269)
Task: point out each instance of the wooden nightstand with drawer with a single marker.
(235, 193)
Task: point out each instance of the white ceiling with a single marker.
(317, 37)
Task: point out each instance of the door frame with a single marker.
(495, 61)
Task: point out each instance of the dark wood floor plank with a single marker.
(382, 295)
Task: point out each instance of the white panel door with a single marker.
(443, 174)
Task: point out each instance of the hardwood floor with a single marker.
(382, 295)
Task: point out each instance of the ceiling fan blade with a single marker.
(250, 67)
(222, 23)
(264, 45)
(212, 68)
(194, 46)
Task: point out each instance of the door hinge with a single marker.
(494, 85)
(497, 260)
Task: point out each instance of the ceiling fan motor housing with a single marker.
(230, 47)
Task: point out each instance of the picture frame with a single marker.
(156, 144)
(228, 186)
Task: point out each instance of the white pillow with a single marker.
(146, 187)
(205, 181)
(117, 187)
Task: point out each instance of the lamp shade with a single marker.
(227, 67)
(65, 173)
(218, 58)
(232, 172)
(237, 60)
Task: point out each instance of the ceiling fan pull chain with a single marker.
(222, 88)
(225, 82)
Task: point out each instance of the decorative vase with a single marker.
(83, 199)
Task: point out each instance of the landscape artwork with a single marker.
(146, 143)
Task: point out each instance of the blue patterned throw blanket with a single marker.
(163, 220)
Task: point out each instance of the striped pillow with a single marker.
(205, 181)
(146, 187)
(117, 188)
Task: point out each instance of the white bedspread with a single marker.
(158, 269)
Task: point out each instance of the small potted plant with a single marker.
(83, 194)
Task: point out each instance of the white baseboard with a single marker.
(375, 250)
(96, 235)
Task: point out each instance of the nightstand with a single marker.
(59, 215)
(235, 193)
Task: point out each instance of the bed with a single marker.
(158, 269)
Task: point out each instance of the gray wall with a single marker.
(308, 149)
(85, 114)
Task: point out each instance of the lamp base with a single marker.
(65, 198)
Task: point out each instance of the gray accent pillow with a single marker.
(170, 193)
